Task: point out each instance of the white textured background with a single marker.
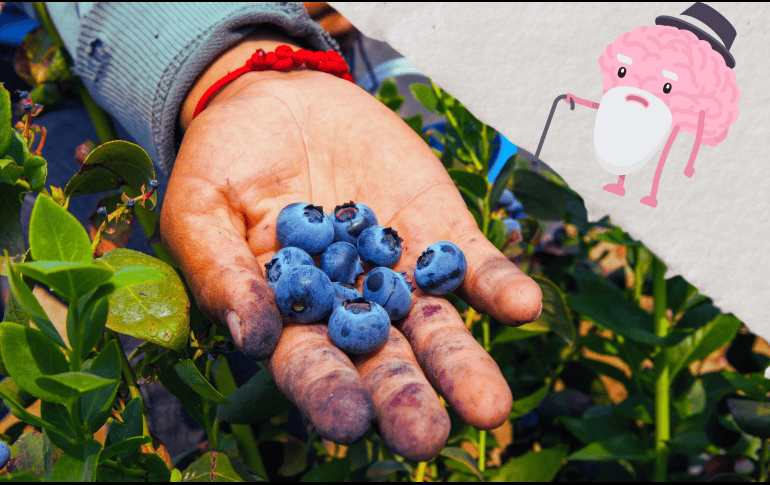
(508, 62)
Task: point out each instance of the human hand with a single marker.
(269, 139)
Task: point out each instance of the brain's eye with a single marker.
(667, 88)
(622, 72)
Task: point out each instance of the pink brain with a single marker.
(704, 80)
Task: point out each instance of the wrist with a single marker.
(230, 60)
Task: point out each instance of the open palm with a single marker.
(271, 139)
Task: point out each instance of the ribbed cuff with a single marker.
(138, 60)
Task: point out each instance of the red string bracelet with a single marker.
(283, 59)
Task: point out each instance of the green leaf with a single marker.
(590, 430)
(128, 445)
(108, 165)
(534, 466)
(189, 399)
(157, 311)
(617, 236)
(384, 468)
(59, 417)
(216, 467)
(34, 355)
(753, 417)
(11, 235)
(606, 306)
(72, 385)
(190, 375)
(157, 470)
(524, 405)
(541, 198)
(96, 407)
(512, 334)
(17, 149)
(638, 408)
(70, 280)
(129, 428)
(28, 455)
(461, 456)
(93, 319)
(20, 477)
(475, 183)
(388, 89)
(5, 120)
(56, 235)
(623, 447)
(681, 295)
(425, 95)
(501, 182)
(555, 315)
(9, 171)
(415, 123)
(35, 171)
(78, 464)
(497, 233)
(256, 401)
(21, 412)
(31, 307)
(331, 471)
(755, 386)
(707, 339)
(600, 345)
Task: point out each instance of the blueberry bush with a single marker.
(626, 375)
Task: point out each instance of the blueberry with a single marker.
(350, 220)
(283, 260)
(529, 420)
(212, 356)
(505, 198)
(344, 292)
(305, 226)
(440, 268)
(102, 211)
(154, 184)
(379, 246)
(130, 203)
(5, 454)
(229, 346)
(511, 225)
(304, 293)
(341, 263)
(514, 208)
(390, 290)
(359, 326)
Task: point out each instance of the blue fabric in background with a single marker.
(14, 24)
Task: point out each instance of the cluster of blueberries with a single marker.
(5, 454)
(514, 209)
(346, 240)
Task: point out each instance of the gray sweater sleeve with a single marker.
(138, 60)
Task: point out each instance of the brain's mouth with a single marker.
(638, 99)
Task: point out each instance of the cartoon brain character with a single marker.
(659, 81)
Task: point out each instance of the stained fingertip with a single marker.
(341, 412)
(255, 321)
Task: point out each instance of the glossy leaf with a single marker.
(497, 233)
(474, 183)
(512, 334)
(129, 428)
(526, 404)
(21, 412)
(331, 471)
(501, 182)
(216, 467)
(461, 456)
(425, 95)
(108, 165)
(34, 355)
(5, 119)
(56, 235)
(68, 279)
(534, 466)
(126, 446)
(555, 314)
(59, 417)
(753, 417)
(35, 171)
(11, 235)
(17, 150)
(256, 401)
(31, 307)
(707, 339)
(157, 470)
(78, 464)
(10, 172)
(92, 318)
(190, 375)
(72, 385)
(96, 406)
(155, 311)
(606, 306)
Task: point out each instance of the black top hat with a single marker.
(714, 20)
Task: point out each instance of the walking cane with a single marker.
(548, 123)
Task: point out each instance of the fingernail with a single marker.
(234, 325)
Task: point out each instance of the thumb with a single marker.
(218, 265)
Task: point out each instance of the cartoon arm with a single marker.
(581, 101)
(689, 170)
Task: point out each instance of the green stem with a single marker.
(485, 334)
(456, 126)
(638, 276)
(482, 450)
(420, 474)
(128, 472)
(763, 458)
(244, 436)
(469, 318)
(662, 381)
(77, 423)
(105, 129)
(128, 375)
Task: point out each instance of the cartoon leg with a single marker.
(689, 170)
(617, 188)
(651, 200)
